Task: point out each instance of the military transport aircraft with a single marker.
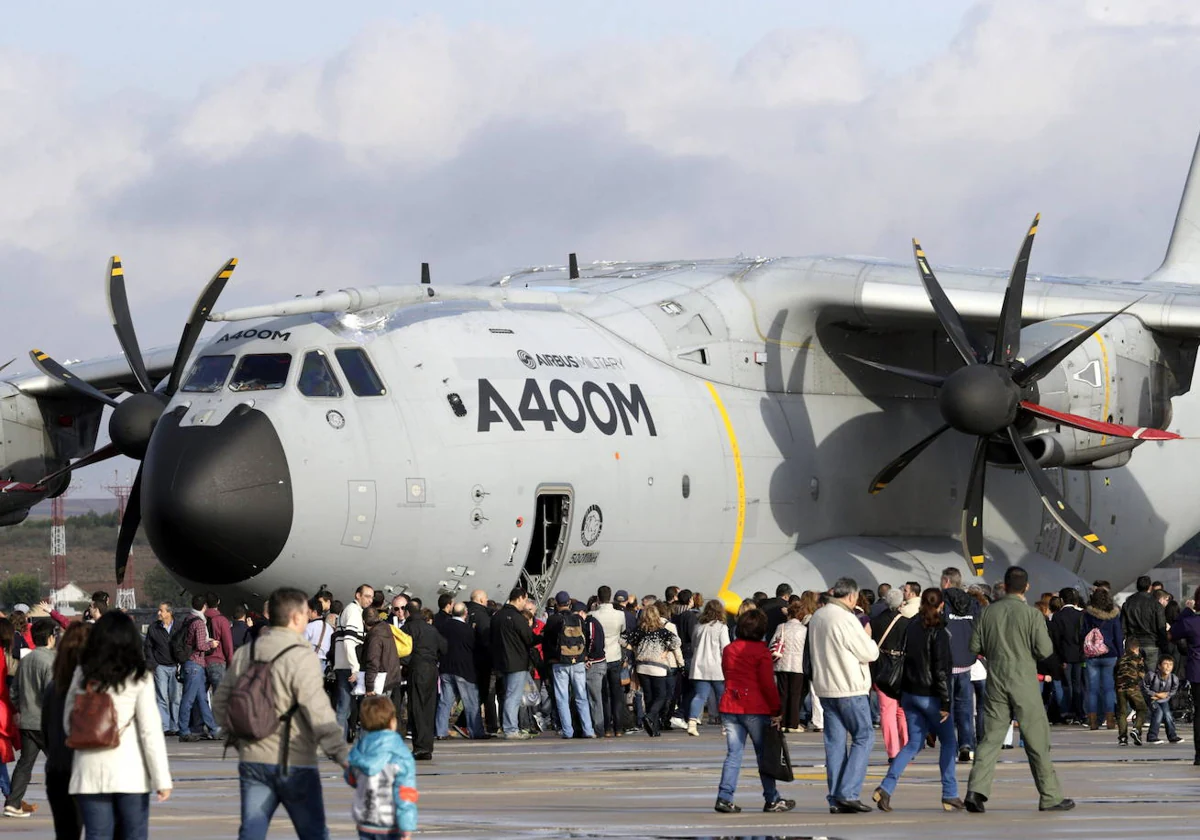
(725, 424)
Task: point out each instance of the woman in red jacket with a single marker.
(750, 704)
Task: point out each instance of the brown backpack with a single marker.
(252, 711)
(94, 720)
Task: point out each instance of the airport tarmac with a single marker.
(665, 787)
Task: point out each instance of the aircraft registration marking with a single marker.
(608, 406)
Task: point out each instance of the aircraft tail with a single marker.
(1182, 262)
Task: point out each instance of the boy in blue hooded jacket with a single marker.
(383, 775)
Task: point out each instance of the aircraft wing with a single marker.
(111, 374)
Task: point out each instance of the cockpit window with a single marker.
(261, 372)
(316, 377)
(363, 379)
(208, 374)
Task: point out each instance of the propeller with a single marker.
(986, 395)
(133, 418)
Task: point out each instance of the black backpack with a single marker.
(181, 648)
(571, 642)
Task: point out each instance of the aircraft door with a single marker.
(547, 541)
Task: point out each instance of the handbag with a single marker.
(888, 670)
(776, 760)
(93, 720)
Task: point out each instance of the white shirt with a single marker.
(319, 634)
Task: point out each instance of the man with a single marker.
(1066, 634)
(512, 638)
(960, 611)
(398, 619)
(457, 675)
(219, 629)
(379, 656)
(912, 599)
(428, 645)
(565, 651)
(349, 636)
(36, 670)
(195, 690)
(1143, 618)
(165, 668)
(612, 623)
(775, 609)
(282, 768)
(241, 626)
(479, 619)
(840, 651)
(1012, 637)
(596, 663)
(318, 633)
(880, 604)
(444, 611)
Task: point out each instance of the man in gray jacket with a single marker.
(282, 768)
(30, 683)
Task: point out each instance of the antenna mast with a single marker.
(126, 596)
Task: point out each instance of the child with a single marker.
(1130, 671)
(1160, 687)
(383, 775)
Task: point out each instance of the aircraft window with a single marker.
(363, 379)
(261, 372)
(208, 374)
(316, 377)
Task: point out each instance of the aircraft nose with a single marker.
(216, 500)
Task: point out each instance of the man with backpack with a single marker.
(273, 705)
(565, 648)
(189, 644)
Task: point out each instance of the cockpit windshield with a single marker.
(261, 372)
(208, 374)
(317, 378)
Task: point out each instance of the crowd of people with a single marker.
(969, 669)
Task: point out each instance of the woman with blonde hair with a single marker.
(656, 651)
(709, 641)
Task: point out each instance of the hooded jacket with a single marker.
(960, 611)
(511, 640)
(384, 777)
(1109, 625)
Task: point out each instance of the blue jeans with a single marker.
(1160, 713)
(166, 689)
(514, 687)
(701, 691)
(568, 680)
(468, 693)
(846, 769)
(264, 788)
(193, 693)
(109, 815)
(737, 727)
(214, 672)
(1071, 688)
(1101, 691)
(343, 697)
(923, 716)
(962, 706)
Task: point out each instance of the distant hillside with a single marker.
(75, 507)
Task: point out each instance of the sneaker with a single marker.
(678, 723)
(1155, 741)
(1175, 739)
(964, 755)
(13, 811)
(1122, 741)
(1135, 735)
(779, 806)
(724, 806)
(187, 739)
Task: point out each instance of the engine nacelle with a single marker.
(1122, 374)
(40, 435)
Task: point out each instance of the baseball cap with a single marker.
(21, 608)
(562, 598)
(578, 606)
(621, 597)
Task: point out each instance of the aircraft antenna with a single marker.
(425, 273)
(58, 546)
(573, 266)
(126, 595)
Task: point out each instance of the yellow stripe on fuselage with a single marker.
(731, 599)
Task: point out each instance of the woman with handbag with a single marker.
(709, 641)
(60, 757)
(888, 627)
(925, 698)
(656, 652)
(111, 720)
(750, 705)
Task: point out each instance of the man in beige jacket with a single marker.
(282, 768)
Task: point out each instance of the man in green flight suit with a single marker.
(1012, 637)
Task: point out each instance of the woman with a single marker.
(112, 786)
(811, 601)
(1103, 616)
(925, 698)
(709, 641)
(887, 627)
(10, 735)
(654, 649)
(1185, 630)
(749, 706)
(787, 649)
(58, 755)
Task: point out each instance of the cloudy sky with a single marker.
(336, 148)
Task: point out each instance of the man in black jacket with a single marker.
(422, 672)
(960, 611)
(512, 637)
(479, 619)
(1143, 618)
(158, 657)
(457, 675)
(443, 614)
(776, 609)
(1066, 632)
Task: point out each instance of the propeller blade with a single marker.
(1050, 358)
(945, 310)
(1071, 522)
(129, 525)
(195, 323)
(972, 515)
(921, 376)
(1008, 333)
(56, 371)
(101, 454)
(888, 473)
(122, 321)
(6, 364)
(1078, 421)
